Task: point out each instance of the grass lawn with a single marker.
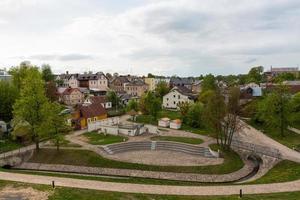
(147, 119)
(8, 145)
(65, 193)
(101, 139)
(178, 139)
(63, 143)
(282, 172)
(291, 139)
(232, 162)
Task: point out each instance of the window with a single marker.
(167, 99)
(178, 96)
(174, 95)
(174, 103)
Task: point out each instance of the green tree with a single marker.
(29, 107)
(150, 75)
(8, 95)
(113, 98)
(47, 73)
(204, 96)
(51, 91)
(274, 110)
(195, 115)
(284, 77)
(132, 105)
(150, 104)
(295, 109)
(55, 123)
(184, 109)
(255, 75)
(208, 83)
(19, 72)
(162, 89)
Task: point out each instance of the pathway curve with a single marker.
(252, 135)
(153, 189)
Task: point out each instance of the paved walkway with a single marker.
(153, 189)
(252, 135)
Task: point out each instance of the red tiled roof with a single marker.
(68, 91)
(98, 99)
(92, 110)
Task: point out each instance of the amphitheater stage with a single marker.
(164, 158)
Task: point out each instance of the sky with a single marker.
(164, 37)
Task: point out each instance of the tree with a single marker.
(184, 109)
(150, 104)
(204, 96)
(274, 110)
(29, 107)
(47, 73)
(150, 75)
(8, 95)
(162, 89)
(113, 98)
(132, 105)
(222, 118)
(195, 115)
(208, 83)
(19, 72)
(51, 91)
(55, 122)
(255, 75)
(295, 109)
(284, 77)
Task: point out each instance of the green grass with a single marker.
(232, 162)
(148, 119)
(63, 143)
(178, 139)
(101, 139)
(291, 139)
(9, 145)
(64, 193)
(282, 172)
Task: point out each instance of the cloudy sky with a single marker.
(183, 37)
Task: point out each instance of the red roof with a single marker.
(98, 99)
(68, 91)
(92, 110)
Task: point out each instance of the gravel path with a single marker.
(153, 189)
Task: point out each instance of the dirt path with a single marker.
(153, 189)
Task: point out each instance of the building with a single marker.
(164, 122)
(136, 88)
(274, 71)
(250, 91)
(176, 95)
(178, 81)
(175, 124)
(294, 86)
(118, 83)
(88, 113)
(96, 81)
(71, 96)
(99, 100)
(196, 86)
(4, 76)
(153, 82)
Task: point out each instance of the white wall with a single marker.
(172, 99)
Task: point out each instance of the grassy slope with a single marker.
(9, 145)
(64, 193)
(87, 158)
(282, 172)
(101, 139)
(178, 139)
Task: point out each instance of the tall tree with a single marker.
(255, 75)
(274, 110)
(208, 83)
(47, 73)
(195, 115)
(51, 91)
(29, 107)
(295, 109)
(8, 96)
(162, 89)
(184, 109)
(113, 98)
(19, 72)
(132, 105)
(150, 104)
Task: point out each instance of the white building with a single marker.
(175, 124)
(176, 95)
(164, 122)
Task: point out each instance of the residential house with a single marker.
(136, 88)
(197, 86)
(176, 95)
(153, 82)
(178, 81)
(64, 79)
(250, 91)
(88, 113)
(99, 100)
(125, 98)
(95, 82)
(274, 71)
(4, 76)
(118, 83)
(71, 96)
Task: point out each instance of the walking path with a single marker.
(153, 189)
(255, 136)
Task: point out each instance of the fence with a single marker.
(256, 149)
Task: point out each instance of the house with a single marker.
(176, 95)
(196, 86)
(175, 124)
(99, 100)
(136, 88)
(63, 79)
(71, 96)
(164, 122)
(88, 113)
(153, 82)
(250, 91)
(294, 86)
(178, 81)
(117, 84)
(275, 71)
(125, 98)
